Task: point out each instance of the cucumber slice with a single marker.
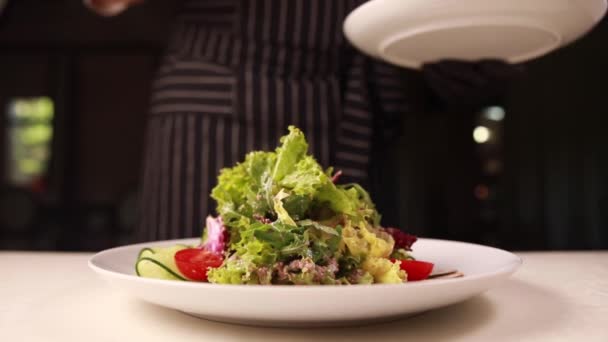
(150, 268)
(159, 263)
(144, 253)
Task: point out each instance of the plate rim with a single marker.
(513, 265)
(472, 21)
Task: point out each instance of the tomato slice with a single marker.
(194, 263)
(416, 270)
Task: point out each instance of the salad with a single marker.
(283, 219)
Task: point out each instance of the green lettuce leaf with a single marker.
(319, 226)
(254, 248)
(366, 210)
(265, 244)
(305, 178)
(239, 188)
(325, 246)
(348, 264)
(233, 271)
(297, 206)
(282, 214)
(293, 148)
(337, 199)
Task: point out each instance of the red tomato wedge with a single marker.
(416, 270)
(194, 263)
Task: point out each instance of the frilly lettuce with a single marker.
(306, 178)
(249, 188)
(281, 206)
(374, 247)
(363, 241)
(384, 271)
(292, 150)
(239, 188)
(233, 271)
(255, 247)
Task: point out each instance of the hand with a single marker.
(470, 84)
(109, 8)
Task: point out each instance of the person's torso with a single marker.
(262, 65)
(285, 37)
(313, 24)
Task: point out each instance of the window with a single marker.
(29, 137)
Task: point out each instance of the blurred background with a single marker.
(530, 173)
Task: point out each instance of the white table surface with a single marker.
(55, 297)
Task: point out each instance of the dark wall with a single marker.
(98, 73)
(43, 23)
(557, 183)
(553, 190)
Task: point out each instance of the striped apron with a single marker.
(235, 75)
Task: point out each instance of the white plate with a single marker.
(484, 268)
(410, 33)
